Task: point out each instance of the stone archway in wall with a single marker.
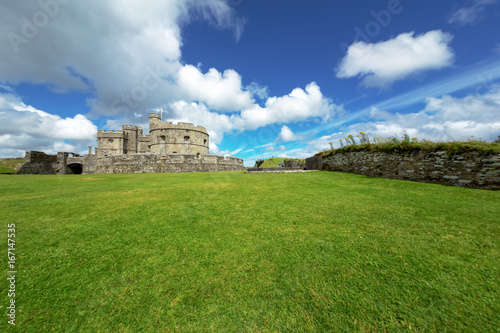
(75, 168)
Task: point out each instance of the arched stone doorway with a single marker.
(75, 168)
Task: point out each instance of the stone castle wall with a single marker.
(465, 169)
(62, 163)
(314, 163)
(143, 144)
(38, 163)
(111, 142)
(153, 163)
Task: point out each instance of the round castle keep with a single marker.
(182, 138)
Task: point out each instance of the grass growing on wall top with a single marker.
(452, 147)
(212, 252)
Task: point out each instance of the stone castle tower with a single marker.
(182, 138)
(165, 138)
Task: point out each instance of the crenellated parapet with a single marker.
(154, 118)
(109, 134)
(179, 126)
(131, 128)
(111, 142)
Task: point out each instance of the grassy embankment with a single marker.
(273, 162)
(10, 166)
(315, 251)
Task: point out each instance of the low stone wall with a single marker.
(274, 170)
(38, 163)
(153, 163)
(314, 163)
(465, 169)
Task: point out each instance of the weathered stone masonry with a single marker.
(169, 147)
(39, 163)
(153, 163)
(464, 169)
(164, 138)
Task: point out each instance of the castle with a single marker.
(168, 147)
(165, 138)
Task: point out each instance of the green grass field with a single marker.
(217, 252)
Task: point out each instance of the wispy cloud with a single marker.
(236, 151)
(480, 77)
(471, 14)
(497, 49)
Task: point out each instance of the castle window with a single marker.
(162, 137)
(110, 140)
(198, 155)
(186, 138)
(205, 141)
(174, 152)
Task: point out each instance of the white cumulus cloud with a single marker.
(381, 64)
(300, 104)
(22, 127)
(125, 54)
(286, 134)
(220, 91)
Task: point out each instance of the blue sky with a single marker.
(266, 78)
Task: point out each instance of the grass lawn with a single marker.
(317, 251)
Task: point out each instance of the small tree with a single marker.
(258, 163)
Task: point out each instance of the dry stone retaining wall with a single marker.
(464, 169)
